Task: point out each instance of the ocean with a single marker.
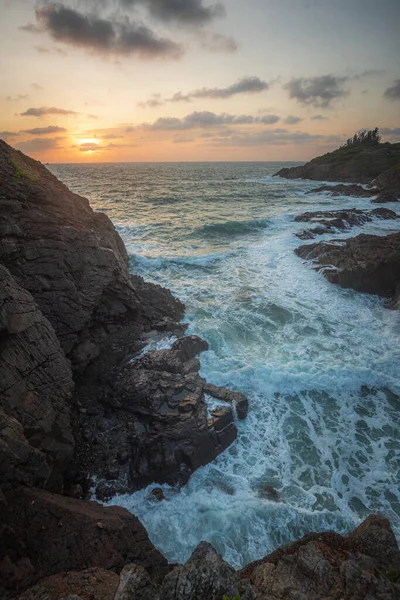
(319, 364)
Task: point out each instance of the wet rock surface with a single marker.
(340, 220)
(341, 189)
(151, 422)
(366, 263)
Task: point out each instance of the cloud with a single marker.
(217, 42)
(317, 91)
(47, 110)
(88, 147)
(246, 85)
(196, 120)
(182, 139)
(43, 50)
(40, 144)
(291, 120)
(319, 118)
(104, 36)
(17, 98)
(44, 130)
(268, 119)
(37, 87)
(392, 133)
(393, 92)
(189, 12)
(5, 135)
(275, 137)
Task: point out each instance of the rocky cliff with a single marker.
(80, 396)
(360, 164)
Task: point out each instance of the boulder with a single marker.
(341, 189)
(204, 576)
(366, 263)
(363, 565)
(44, 534)
(238, 399)
(135, 584)
(95, 583)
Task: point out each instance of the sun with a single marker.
(88, 140)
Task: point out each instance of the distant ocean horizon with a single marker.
(320, 364)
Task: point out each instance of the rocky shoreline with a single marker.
(82, 395)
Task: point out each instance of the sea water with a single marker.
(319, 364)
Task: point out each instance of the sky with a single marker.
(196, 80)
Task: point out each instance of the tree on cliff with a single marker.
(364, 138)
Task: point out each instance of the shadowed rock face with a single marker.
(44, 534)
(36, 440)
(366, 263)
(67, 256)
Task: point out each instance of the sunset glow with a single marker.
(268, 80)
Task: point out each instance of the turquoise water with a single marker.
(320, 365)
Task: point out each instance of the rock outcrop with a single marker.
(340, 220)
(67, 256)
(357, 191)
(388, 185)
(360, 164)
(43, 534)
(363, 565)
(151, 422)
(366, 263)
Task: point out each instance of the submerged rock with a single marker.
(334, 220)
(345, 190)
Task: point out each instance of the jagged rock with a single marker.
(333, 220)
(205, 576)
(384, 197)
(135, 584)
(329, 566)
(238, 399)
(159, 306)
(344, 190)
(95, 583)
(43, 534)
(366, 263)
(36, 440)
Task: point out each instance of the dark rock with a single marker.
(67, 256)
(157, 494)
(352, 165)
(329, 566)
(222, 417)
(331, 221)
(158, 306)
(384, 197)
(344, 190)
(388, 182)
(36, 440)
(238, 399)
(135, 583)
(269, 492)
(205, 575)
(366, 263)
(95, 583)
(51, 534)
